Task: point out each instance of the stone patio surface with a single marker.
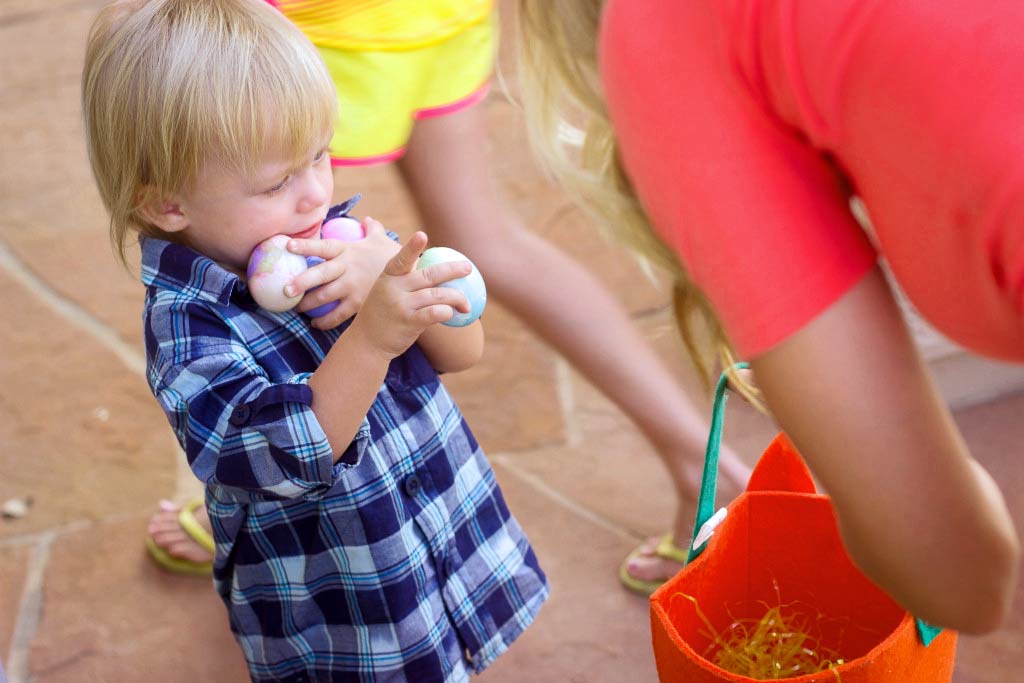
(80, 601)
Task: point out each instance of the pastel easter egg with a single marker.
(271, 267)
(342, 228)
(472, 286)
(322, 309)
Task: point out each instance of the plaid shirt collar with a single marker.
(184, 270)
(178, 268)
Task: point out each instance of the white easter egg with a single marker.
(271, 267)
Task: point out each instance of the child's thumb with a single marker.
(372, 226)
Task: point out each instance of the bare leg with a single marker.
(451, 185)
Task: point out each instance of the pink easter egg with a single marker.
(342, 228)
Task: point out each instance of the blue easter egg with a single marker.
(472, 286)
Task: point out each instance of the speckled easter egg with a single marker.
(271, 267)
(472, 285)
(342, 228)
(322, 309)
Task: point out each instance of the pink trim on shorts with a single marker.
(458, 105)
(466, 102)
(369, 161)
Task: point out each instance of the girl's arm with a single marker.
(916, 512)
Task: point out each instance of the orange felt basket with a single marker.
(779, 541)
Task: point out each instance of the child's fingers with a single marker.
(325, 249)
(443, 296)
(342, 312)
(371, 226)
(440, 273)
(320, 274)
(404, 261)
(438, 313)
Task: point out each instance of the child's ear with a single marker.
(164, 212)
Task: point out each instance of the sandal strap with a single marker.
(191, 525)
(668, 550)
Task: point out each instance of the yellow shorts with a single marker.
(382, 93)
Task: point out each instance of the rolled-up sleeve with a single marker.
(252, 438)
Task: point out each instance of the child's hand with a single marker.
(404, 301)
(346, 275)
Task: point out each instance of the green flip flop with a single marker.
(187, 519)
(667, 550)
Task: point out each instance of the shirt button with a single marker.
(412, 485)
(240, 415)
(449, 566)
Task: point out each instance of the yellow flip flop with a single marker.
(187, 519)
(666, 549)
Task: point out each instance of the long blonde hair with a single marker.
(171, 85)
(560, 83)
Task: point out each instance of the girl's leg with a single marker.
(450, 182)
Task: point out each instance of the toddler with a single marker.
(359, 530)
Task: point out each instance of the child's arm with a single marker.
(916, 512)
(401, 305)
(453, 349)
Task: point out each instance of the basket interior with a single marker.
(780, 548)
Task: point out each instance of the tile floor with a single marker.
(80, 434)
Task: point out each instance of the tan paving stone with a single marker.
(510, 398)
(110, 615)
(384, 196)
(591, 629)
(13, 564)
(610, 468)
(50, 213)
(995, 434)
(80, 268)
(25, 27)
(82, 435)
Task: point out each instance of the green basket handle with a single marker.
(926, 633)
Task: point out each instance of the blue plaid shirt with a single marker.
(399, 562)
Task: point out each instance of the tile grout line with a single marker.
(561, 499)
(103, 333)
(29, 611)
(14, 266)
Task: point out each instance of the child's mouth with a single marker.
(308, 233)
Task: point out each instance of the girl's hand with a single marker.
(347, 274)
(403, 302)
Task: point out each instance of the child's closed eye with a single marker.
(278, 187)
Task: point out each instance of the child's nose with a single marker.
(315, 191)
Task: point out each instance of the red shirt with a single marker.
(742, 123)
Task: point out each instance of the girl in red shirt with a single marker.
(741, 130)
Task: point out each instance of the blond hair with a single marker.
(560, 82)
(172, 85)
